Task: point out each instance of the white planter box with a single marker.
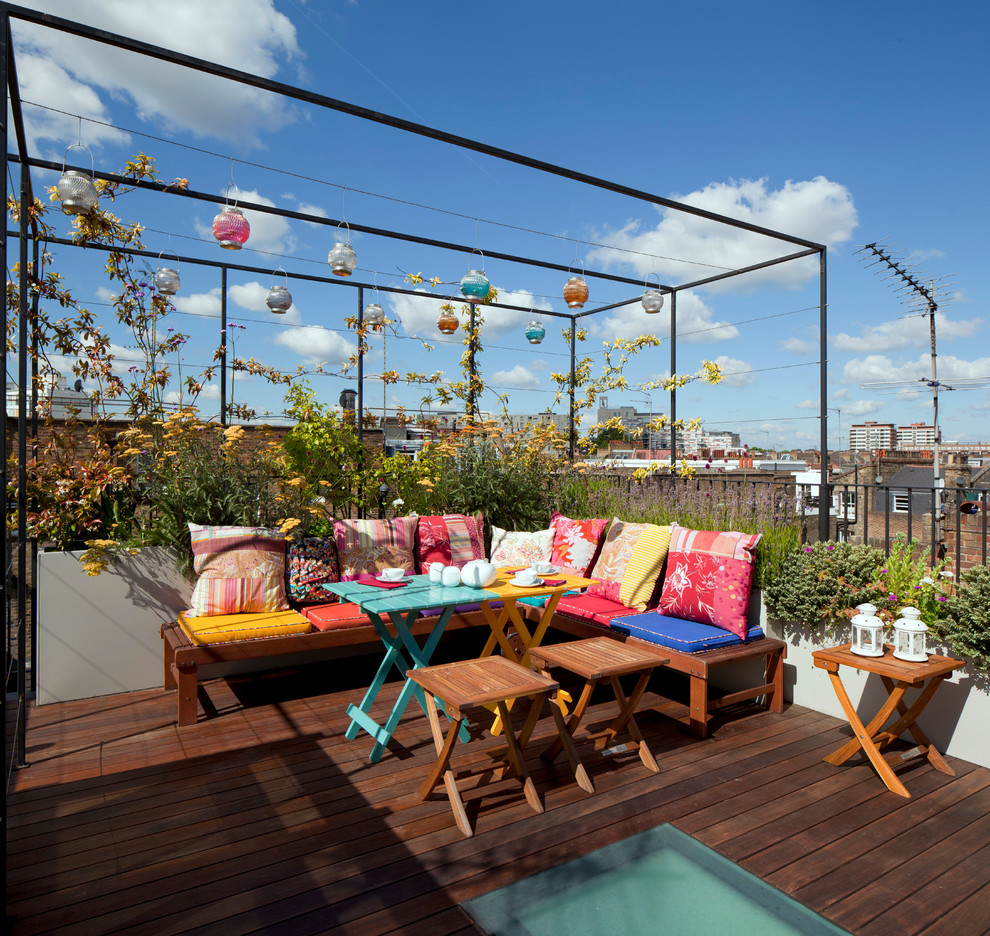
(99, 635)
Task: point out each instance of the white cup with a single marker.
(392, 573)
(436, 573)
(541, 568)
(450, 576)
(525, 577)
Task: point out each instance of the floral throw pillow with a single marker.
(453, 539)
(520, 549)
(311, 563)
(368, 546)
(575, 542)
(630, 563)
(240, 569)
(709, 576)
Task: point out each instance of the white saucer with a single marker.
(519, 584)
(388, 581)
(549, 571)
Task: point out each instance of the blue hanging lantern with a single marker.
(474, 284)
(535, 332)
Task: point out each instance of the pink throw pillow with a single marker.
(453, 539)
(575, 543)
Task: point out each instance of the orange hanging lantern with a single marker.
(448, 322)
(576, 289)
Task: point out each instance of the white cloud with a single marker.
(799, 346)
(250, 35)
(521, 377)
(818, 210)
(878, 367)
(737, 373)
(316, 345)
(808, 404)
(862, 407)
(911, 331)
(695, 322)
(205, 305)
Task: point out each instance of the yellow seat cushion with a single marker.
(223, 628)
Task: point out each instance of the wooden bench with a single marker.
(698, 667)
(183, 657)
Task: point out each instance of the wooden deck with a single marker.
(264, 819)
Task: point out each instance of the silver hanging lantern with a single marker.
(535, 332)
(75, 189)
(652, 298)
(167, 280)
(342, 258)
(279, 299)
(374, 314)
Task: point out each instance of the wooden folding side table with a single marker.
(898, 676)
(601, 660)
(474, 684)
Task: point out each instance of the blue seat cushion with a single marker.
(678, 634)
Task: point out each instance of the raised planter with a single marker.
(99, 635)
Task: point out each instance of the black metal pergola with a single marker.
(26, 239)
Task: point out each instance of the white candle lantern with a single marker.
(867, 632)
(909, 636)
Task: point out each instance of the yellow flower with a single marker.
(289, 524)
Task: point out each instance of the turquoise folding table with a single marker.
(403, 606)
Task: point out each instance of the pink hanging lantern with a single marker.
(231, 228)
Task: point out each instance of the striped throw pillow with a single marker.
(368, 546)
(240, 569)
(630, 563)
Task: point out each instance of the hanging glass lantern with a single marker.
(342, 258)
(448, 322)
(535, 332)
(867, 632)
(374, 314)
(279, 299)
(576, 290)
(231, 228)
(167, 280)
(909, 636)
(652, 298)
(75, 189)
(474, 284)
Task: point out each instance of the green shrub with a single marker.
(967, 622)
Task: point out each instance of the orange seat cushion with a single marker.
(223, 628)
(336, 616)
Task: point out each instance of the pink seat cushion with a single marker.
(591, 608)
(329, 617)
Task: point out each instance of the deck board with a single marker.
(264, 819)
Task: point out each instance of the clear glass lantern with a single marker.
(167, 280)
(909, 636)
(474, 284)
(652, 298)
(279, 299)
(867, 632)
(342, 258)
(535, 332)
(374, 314)
(448, 322)
(75, 189)
(231, 228)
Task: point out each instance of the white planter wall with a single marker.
(100, 635)
(955, 721)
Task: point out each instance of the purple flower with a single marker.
(883, 571)
(807, 549)
(892, 597)
(830, 547)
(941, 598)
(916, 586)
(133, 369)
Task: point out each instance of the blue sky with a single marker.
(844, 125)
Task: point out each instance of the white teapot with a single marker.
(478, 573)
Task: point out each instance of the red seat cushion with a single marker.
(592, 608)
(335, 616)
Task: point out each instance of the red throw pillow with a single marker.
(575, 543)
(709, 576)
(453, 539)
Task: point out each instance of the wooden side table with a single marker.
(898, 676)
(478, 684)
(601, 660)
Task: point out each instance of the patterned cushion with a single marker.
(630, 563)
(708, 578)
(591, 608)
(223, 628)
(453, 539)
(520, 549)
(335, 616)
(240, 569)
(575, 543)
(311, 562)
(678, 634)
(372, 545)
